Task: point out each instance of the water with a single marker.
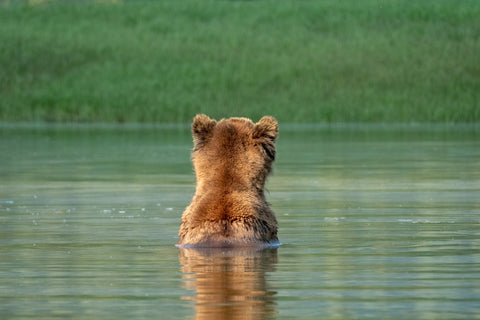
(376, 222)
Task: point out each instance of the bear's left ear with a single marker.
(267, 127)
(202, 130)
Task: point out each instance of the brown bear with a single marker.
(232, 159)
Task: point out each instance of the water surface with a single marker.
(376, 222)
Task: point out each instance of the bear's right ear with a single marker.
(266, 127)
(266, 130)
(202, 130)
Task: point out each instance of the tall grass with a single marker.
(301, 61)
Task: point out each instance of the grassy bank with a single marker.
(302, 61)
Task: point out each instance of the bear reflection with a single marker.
(229, 283)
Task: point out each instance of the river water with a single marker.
(376, 222)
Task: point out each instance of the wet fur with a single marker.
(232, 159)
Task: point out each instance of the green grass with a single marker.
(301, 61)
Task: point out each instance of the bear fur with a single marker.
(232, 159)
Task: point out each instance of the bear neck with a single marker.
(224, 184)
(222, 195)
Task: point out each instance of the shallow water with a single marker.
(376, 222)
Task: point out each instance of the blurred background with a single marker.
(301, 61)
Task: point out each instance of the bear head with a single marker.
(235, 153)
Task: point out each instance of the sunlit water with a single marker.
(376, 222)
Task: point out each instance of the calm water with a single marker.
(376, 223)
